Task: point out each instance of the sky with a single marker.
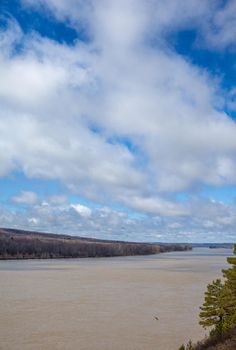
(118, 118)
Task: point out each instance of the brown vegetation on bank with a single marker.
(225, 342)
(19, 244)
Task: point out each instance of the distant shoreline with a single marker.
(21, 244)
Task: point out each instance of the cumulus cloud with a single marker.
(139, 100)
(220, 31)
(119, 118)
(25, 197)
(57, 199)
(213, 20)
(204, 220)
(82, 210)
(156, 205)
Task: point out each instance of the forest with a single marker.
(21, 244)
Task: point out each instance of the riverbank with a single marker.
(226, 342)
(20, 244)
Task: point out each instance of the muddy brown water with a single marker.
(106, 303)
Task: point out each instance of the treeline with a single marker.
(218, 312)
(18, 244)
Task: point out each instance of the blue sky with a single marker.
(117, 119)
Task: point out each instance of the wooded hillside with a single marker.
(19, 244)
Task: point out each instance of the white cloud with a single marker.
(25, 197)
(221, 30)
(70, 113)
(204, 222)
(156, 205)
(33, 221)
(57, 199)
(82, 210)
(27, 81)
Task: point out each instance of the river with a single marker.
(127, 303)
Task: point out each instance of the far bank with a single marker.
(21, 244)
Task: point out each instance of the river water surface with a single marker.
(106, 303)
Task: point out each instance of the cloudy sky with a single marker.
(117, 118)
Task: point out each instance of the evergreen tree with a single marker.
(182, 347)
(230, 274)
(213, 311)
(219, 308)
(230, 287)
